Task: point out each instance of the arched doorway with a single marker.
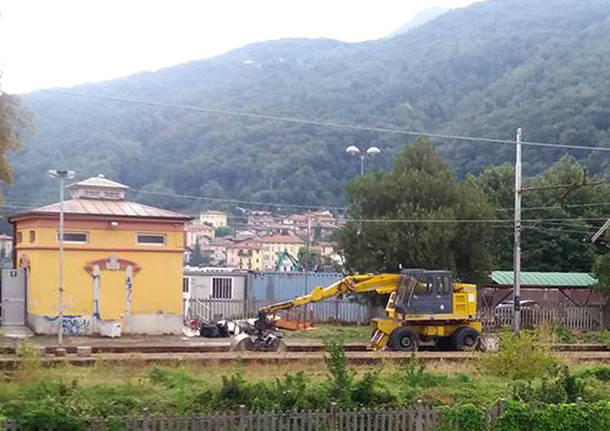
(112, 290)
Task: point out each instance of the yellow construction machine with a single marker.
(424, 306)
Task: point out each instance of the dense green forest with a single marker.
(483, 70)
(418, 215)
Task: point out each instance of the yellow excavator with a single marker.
(424, 306)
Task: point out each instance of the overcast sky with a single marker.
(48, 43)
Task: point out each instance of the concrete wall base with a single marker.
(146, 324)
(73, 325)
(154, 324)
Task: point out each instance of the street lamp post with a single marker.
(62, 175)
(354, 151)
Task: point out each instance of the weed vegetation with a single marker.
(64, 397)
(538, 375)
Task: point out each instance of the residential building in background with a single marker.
(273, 246)
(245, 255)
(327, 249)
(122, 263)
(216, 250)
(197, 232)
(214, 218)
(260, 238)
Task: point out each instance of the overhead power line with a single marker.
(320, 122)
(278, 204)
(238, 201)
(449, 221)
(555, 231)
(557, 207)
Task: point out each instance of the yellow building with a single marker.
(273, 245)
(122, 263)
(245, 255)
(215, 218)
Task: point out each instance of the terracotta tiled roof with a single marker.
(245, 245)
(105, 207)
(282, 239)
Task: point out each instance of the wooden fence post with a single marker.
(419, 416)
(332, 417)
(146, 420)
(242, 417)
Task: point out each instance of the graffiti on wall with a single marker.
(76, 325)
(73, 325)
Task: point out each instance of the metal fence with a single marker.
(334, 310)
(588, 318)
(418, 418)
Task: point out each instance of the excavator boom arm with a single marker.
(383, 284)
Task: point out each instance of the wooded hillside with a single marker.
(482, 70)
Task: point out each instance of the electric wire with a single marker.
(557, 207)
(321, 123)
(243, 202)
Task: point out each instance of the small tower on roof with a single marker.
(98, 187)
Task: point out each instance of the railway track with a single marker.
(311, 353)
(292, 347)
(224, 346)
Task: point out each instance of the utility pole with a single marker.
(517, 246)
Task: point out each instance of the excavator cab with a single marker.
(422, 291)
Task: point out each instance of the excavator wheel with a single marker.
(465, 339)
(278, 346)
(404, 339)
(246, 343)
(242, 343)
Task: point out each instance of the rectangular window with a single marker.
(32, 235)
(75, 237)
(150, 239)
(222, 288)
(186, 284)
(19, 237)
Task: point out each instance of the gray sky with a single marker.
(46, 43)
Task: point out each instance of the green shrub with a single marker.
(557, 386)
(340, 377)
(583, 417)
(51, 414)
(414, 378)
(562, 334)
(369, 391)
(601, 372)
(170, 378)
(234, 390)
(28, 359)
(524, 356)
(462, 418)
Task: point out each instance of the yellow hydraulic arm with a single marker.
(383, 284)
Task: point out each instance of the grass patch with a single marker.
(324, 331)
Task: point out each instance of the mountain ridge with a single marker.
(446, 76)
(422, 17)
